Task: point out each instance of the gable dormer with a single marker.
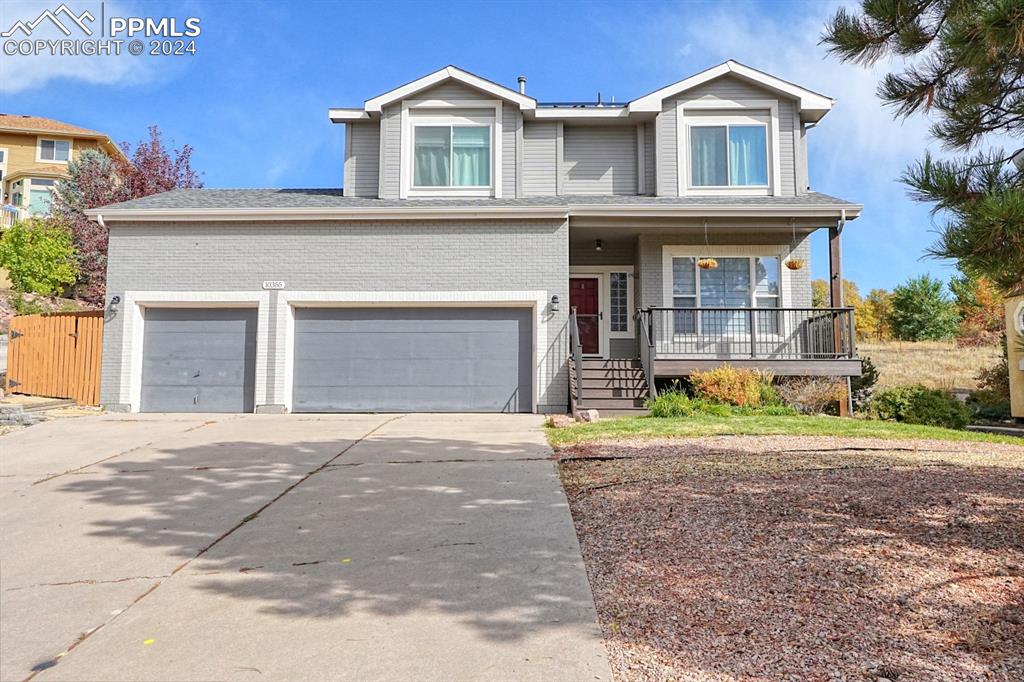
(732, 131)
(447, 134)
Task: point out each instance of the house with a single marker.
(34, 154)
(489, 252)
(1015, 353)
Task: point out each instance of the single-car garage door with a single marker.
(413, 359)
(199, 360)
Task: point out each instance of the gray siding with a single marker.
(728, 87)
(338, 256)
(599, 160)
(796, 283)
(540, 160)
(391, 152)
(650, 169)
(391, 137)
(362, 159)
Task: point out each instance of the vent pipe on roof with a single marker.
(522, 85)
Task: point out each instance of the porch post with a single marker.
(835, 268)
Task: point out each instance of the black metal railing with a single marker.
(753, 333)
(576, 368)
(645, 348)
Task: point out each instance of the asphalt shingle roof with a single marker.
(199, 199)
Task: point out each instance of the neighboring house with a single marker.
(489, 253)
(34, 154)
(1015, 353)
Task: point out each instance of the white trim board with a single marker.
(603, 272)
(132, 308)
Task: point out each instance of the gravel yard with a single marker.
(772, 557)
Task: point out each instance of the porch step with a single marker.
(613, 363)
(631, 392)
(602, 404)
(631, 382)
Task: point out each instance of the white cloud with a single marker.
(21, 72)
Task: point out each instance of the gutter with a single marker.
(471, 213)
(369, 213)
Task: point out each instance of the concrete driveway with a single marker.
(266, 547)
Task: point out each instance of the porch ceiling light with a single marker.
(598, 245)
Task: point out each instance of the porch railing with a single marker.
(750, 333)
(576, 367)
(645, 348)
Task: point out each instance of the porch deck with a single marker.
(674, 342)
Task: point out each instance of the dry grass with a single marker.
(936, 364)
(771, 558)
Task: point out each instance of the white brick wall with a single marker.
(400, 256)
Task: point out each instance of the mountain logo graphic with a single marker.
(53, 17)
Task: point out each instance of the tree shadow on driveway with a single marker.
(478, 532)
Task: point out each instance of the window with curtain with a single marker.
(736, 283)
(452, 156)
(729, 155)
(54, 150)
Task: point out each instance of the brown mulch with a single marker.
(774, 558)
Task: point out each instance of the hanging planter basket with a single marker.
(707, 263)
(796, 263)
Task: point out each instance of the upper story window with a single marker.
(729, 155)
(452, 156)
(54, 150)
(450, 148)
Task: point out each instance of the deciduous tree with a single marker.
(95, 179)
(921, 311)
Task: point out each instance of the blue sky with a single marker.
(253, 100)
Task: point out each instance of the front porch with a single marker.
(645, 305)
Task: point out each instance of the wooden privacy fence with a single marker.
(56, 355)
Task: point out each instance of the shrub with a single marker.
(812, 395)
(863, 387)
(921, 311)
(677, 404)
(24, 305)
(729, 385)
(991, 401)
(39, 256)
(915, 404)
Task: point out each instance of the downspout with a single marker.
(99, 219)
(839, 226)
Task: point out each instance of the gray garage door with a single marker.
(413, 359)
(199, 360)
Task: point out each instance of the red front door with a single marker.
(583, 296)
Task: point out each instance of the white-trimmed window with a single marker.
(729, 155)
(3, 170)
(57, 151)
(618, 302)
(451, 156)
(451, 148)
(728, 147)
(737, 282)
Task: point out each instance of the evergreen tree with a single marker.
(921, 311)
(966, 69)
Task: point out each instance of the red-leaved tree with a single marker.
(95, 179)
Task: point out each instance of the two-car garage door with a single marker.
(344, 360)
(413, 359)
